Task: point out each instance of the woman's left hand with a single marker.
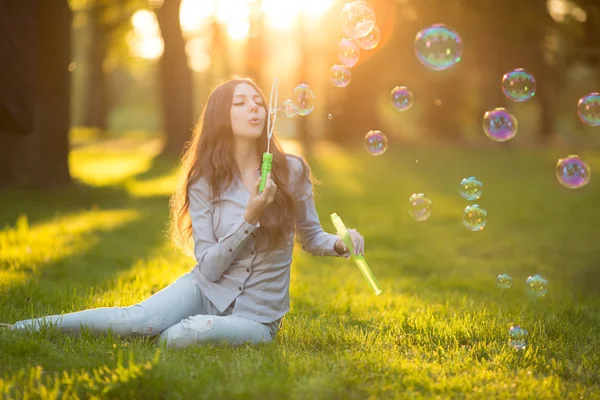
(358, 242)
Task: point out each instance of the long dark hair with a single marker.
(210, 155)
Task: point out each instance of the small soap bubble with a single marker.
(504, 281)
(288, 109)
(588, 109)
(339, 75)
(500, 124)
(348, 52)
(329, 116)
(517, 337)
(438, 47)
(376, 143)
(304, 99)
(370, 41)
(419, 207)
(572, 172)
(537, 286)
(471, 188)
(358, 19)
(474, 218)
(518, 85)
(401, 98)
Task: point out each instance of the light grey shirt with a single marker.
(230, 266)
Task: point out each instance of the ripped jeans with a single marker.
(179, 313)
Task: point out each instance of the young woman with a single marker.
(242, 240)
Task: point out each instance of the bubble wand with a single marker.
(267, 160)
(358, 259)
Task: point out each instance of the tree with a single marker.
(41, 158)
(175, 80)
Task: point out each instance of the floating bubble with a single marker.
(588, 109)
(438, 47)
(339, 75)
(500, 124)
(419, 207)
(370, 41)
(470, 188)
(329, 116)
(572, 172)
(537, 286)
(348, 52)
(474, 218)
(517, 337)
(401, 98)
(518, 85)
(288, 109)
(358, 19)
(304, 99)
(376, 143)
(504, 281)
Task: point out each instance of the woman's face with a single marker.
(248, 112)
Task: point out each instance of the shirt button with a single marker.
(247, 269)
(245, 231)
(240, 288)
(252, 253)
(230, 250)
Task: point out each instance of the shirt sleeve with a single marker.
(214, 255)
(311, 235)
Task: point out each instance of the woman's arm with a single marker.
(311, 235)
(214, 255)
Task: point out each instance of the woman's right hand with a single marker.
(259, 202)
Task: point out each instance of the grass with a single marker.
(440, 328)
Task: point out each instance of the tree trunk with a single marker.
(255, 48)
(96, 101)
(41, 159)
(175, 80)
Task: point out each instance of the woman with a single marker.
(238, 291)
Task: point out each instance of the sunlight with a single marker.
(193, 14)
(145, 41)
(282, 14)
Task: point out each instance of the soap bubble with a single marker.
(339, 75)
(438, 47)
(517, 337)
(572, 172)
(288, 109)
(370, 41)
(504, 281)
(419, 207)
(376, 143)
(474, 218)
(329, 116)
(500, 124)
(358, 19)
(348, 52)
(401, 98)
(470, 188)
(537, 286)
(304, 99)
(518, 85)
(588, 109)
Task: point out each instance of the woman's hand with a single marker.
(258, 203)
(358, 242)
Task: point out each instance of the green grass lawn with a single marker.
(440, 328)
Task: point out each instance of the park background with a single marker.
(84, 200)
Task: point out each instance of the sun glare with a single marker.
(145, 40)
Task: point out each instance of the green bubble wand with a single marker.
(358, 259)
(267, 160)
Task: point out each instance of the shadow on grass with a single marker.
(113, 252)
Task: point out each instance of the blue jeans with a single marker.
(180, 314)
